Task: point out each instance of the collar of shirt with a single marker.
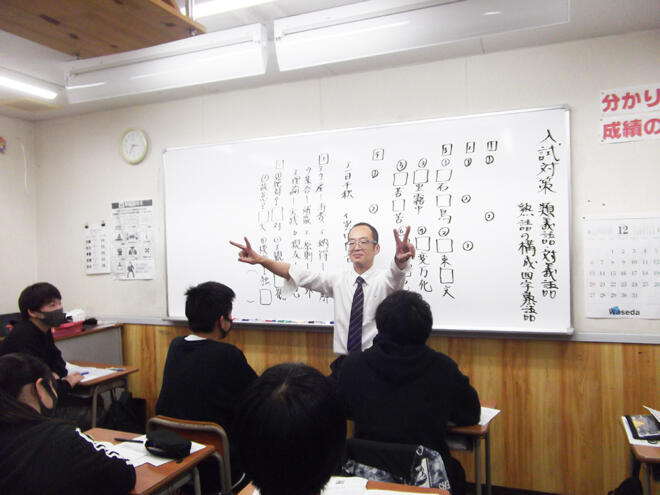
(366, 276)
(194, 338)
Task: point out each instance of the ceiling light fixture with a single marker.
(214, 7)
(26, 88)
(378, 27)
(219, 56)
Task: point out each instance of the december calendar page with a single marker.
(622, 267)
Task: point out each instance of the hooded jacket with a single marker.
(406, 394)
(53, 458)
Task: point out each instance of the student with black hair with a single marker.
(40, 305)
(291, 430)
(41, 456)
(204, 378)
(402, 391)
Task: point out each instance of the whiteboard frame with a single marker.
(481, 330)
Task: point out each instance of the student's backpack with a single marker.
(126, 414)
(629, 486)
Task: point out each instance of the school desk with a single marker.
(647, 455)
(153, 479)
(473, 435)
(93, 388)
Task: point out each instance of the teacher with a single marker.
(357, 290)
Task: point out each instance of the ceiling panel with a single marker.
(588, 18)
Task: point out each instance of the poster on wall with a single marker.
(132, 240)
(97, 249)
(630, 114)
(622, 267)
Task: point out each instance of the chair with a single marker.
(203, 432)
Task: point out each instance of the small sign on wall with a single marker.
(97, 249)
(630, 114)
(132, 240)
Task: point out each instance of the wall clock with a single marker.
(134, 145)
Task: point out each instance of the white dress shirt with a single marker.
(378, 284)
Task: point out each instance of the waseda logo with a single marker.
(623, 312)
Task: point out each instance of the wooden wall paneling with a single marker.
(613, 406)
(559, 430)
(586, 424)
(137, 344)
(266, 348)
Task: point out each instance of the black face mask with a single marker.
(224, 333)
(49, 412)
(53, 318)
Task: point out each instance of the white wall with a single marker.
(81, 171)
(18, 212)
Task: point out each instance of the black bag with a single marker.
(166, 443)
(126, 414)
(629, 486)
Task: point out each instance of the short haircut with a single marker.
(404, 317)
(374, 232)
(290, 430)
(35, 296)
(16, 371)
(206, 303)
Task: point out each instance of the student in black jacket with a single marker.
(41, 456)
(41, 309)
(204, 377)
(402, 391)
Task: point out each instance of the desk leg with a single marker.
(476, 444)
(489, 484)
(647, 478)
(95, 397)
(196, 483)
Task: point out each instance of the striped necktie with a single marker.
(355, 326)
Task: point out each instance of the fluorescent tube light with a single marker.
(378, 27)
(27, 88)
(202, 59)
(213, 7)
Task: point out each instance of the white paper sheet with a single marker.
(656, 413)
(137, 454)
(487, 415)
(339, 485)
(90, 373)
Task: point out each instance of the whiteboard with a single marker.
(487, 197)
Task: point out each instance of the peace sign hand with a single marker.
(404, 249)
(246, 253)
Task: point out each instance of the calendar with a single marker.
(622, 267)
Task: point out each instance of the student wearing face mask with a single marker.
(41, 309)
(44, 456)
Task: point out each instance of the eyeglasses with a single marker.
(360, 242)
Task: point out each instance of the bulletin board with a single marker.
(487, 197)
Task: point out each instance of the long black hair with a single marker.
(16, 371)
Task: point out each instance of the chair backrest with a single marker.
(204, 432)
